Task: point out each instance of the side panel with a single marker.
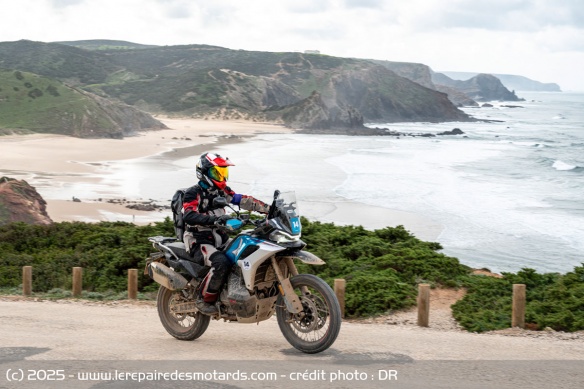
(249, 265)
(238, 245)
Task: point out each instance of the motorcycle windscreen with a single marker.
(289, 213)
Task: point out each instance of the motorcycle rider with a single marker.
(202, 219)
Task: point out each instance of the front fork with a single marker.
(291, 299)
(294, 272)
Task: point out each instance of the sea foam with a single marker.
(561, 165)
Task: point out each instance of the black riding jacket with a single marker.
(198, 209)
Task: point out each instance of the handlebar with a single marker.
(244, 221)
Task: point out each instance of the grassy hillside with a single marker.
(67, 63)
(29, 102)
(104, 44)
(41, 104)
(202, 79)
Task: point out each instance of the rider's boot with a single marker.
(206, 304)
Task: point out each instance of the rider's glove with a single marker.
(221, 220)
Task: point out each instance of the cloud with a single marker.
(319, 33)
(179, 11)
(560, 39)
(308, 6)
(364, 3)
(500, 15)
(65, 3)
(541, 37)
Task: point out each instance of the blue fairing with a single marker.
(238, 245)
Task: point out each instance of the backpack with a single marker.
(176, 205)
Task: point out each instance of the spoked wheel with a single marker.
(315, 328)
(183, 326)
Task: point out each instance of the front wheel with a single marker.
(315, 328)
(183, 326)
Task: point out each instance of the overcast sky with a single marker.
(539, 39)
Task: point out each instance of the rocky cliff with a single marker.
(482, 87)
(423, 75)
(112, 119)
(313, 114)
(512, 82)
(20, 202)
(458, 98)
(416, 72)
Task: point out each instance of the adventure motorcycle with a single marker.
(263, 281)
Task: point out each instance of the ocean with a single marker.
(508, 193)
(505, 195)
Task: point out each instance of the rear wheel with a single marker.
(315, 328)
(183, 326)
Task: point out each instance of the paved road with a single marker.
(66, 339)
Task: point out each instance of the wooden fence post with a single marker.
(423, 305)
(27, 280)
(518, 315)
(77, 281)
(132, 284)
(340, 293)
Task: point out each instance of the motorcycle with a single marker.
(264, 280)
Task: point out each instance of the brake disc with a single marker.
(310, 321)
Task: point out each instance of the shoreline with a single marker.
(61, 160)
(58, 159)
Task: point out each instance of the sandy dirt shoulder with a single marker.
(68, 329)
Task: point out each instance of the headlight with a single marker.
(282, 237)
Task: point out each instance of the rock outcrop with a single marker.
(381, 95)
(416, 72)
(313, 114)
(423, 75)
(458, 98)
(20, 202)
(121, 119)
(483, 87)
(512, 82)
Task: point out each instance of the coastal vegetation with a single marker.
(382, 269)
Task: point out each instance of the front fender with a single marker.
(306, 257)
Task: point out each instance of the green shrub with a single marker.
(105, 251)
(382, 269)
(552, 300)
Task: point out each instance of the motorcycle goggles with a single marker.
(219, 173)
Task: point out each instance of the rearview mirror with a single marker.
(220, 202)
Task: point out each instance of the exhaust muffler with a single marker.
(167, 277)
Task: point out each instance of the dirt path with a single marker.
(130, 333)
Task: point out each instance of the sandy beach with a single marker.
(46, 160)
(66, 159)
(58, 154)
